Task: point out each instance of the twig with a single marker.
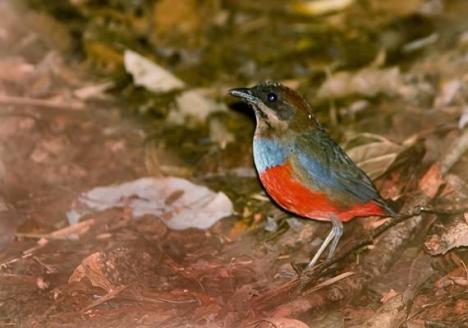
(25, 101)
(457, 149)
(446, 299)
(63, 233)
(330, 281)
(157, 299)
(382, 228)
(110, 295)
(293, 288)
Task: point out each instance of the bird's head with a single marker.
(277, 107)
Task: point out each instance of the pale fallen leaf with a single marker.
(369, 82)
(448, 92)
(388, 295)
(403, 8)
(460, 281)
(463, 121)
(420, 43)
(454, 235)
(94, 91)
(220, 134)
(375, 155)
(431, 8)
(15, 69)
(147, 74)
(178, 202)
(331, 318)
(454, 152)
(455, 276)
(191, 104)
(390, 315)
(41, 283)
(373, 81)
(356, 107)
(320, 7)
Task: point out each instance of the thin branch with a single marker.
(25, 101)
(308, 275)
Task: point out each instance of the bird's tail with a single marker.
(387, 207)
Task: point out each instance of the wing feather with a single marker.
(330, 168)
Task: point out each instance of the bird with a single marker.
(302, 168)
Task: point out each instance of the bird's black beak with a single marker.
(244, 94)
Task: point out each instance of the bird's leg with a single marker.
(338, 228)
(333, 237)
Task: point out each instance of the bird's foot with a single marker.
(298, 267)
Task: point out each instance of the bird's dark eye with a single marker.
(272, 97)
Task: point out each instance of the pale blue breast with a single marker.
(268, 153)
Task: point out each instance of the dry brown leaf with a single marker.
(73, 231)
(395, 7)
(93, 91)
(15, 69)
(388, 295)
(41, 284)
(390, 315)
(454, 235)
(457, 276)
(177, 16)
(367, 82)
(92, 268)
(431, 181)
(376, 155)
(332, 318)
(191, 104)
(220, 134)
(280, 323)
(460, 281)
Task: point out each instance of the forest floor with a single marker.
(75, 255)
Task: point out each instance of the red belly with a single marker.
(298, 199)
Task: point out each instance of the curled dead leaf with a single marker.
(368, 82)
(388, 295)
(374, 154)
(178, 202)
(431, 181)
(320, 7)
(280, 323)
(191, 104)
(454, 235)
(92, 267)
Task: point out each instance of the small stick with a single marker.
(457, 149)
(25, 101)
(377, 232)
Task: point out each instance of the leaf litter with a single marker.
(109, 269)
(179, 203)
(190, 104)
